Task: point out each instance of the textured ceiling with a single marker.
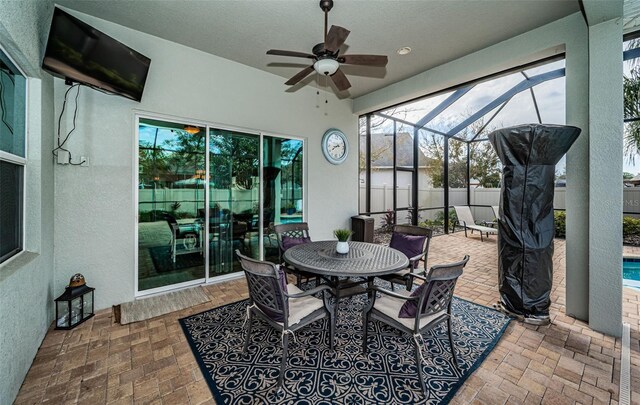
(438, 31)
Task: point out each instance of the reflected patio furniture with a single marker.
(433, 298)
(465, 220)
(283, 306)
(399, 243)
(190, 235)
(220, 220)
(297, 233)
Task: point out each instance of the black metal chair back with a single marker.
(417, 231)
(438, 292)
(293, 230)
(264, 288)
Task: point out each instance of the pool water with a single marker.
(631, 273)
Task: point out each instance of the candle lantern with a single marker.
(75, 305)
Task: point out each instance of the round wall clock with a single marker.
(335, 146)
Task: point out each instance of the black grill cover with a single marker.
(529, 154)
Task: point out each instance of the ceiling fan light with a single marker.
(326, 66)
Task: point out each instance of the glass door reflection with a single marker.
(171, 167)
(283, 188)
(234, 199)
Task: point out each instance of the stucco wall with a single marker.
(26, 293)
(95, 213)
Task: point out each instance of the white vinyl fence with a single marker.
(382, 200)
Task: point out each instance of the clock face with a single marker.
(335, 146)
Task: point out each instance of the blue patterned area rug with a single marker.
(316, 375)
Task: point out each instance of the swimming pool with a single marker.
(631, 272)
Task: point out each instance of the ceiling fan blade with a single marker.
(340, 80)
(290, 53)
(368, 60)
(301, 75)
(335, 38)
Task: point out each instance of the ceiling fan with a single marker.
(326, 55)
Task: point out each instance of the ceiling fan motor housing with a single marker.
(326, 5)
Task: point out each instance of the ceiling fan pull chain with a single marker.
(326, 101)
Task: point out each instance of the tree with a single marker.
(234, 156)
(627, 175)
(485, 165)
(631, 92)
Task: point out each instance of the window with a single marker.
(12, 157)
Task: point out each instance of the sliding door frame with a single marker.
(207, 125)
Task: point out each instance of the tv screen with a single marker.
(80, 53)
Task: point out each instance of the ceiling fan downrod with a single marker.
(326, 6)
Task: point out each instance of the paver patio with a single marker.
(150, 362)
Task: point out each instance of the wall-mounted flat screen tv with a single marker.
(80, 53)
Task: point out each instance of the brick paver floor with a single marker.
(150, 362)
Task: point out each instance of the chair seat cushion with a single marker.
(289, 242)
(410, 245)
(391, 306)
(301, 307)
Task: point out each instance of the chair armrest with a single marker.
(417, 257)
(394, 294)
(416, 275)
(313, 291)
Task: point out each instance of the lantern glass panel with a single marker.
(76, 310)
(88, 304)
(63, 314)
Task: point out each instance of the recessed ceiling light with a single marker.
(405, 50)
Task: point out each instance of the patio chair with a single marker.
(400, 310)
(188, 233)
(465, 220)
(283, 306)
(290, 235)
(413, 241)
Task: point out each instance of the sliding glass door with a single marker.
(204, 193)
(171, 197)
(234, 199)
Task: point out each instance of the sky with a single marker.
(550, 96)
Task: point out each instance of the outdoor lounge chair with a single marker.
(400, 310)
(465, 219)
(283, 306)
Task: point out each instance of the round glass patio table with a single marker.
(364, 260)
